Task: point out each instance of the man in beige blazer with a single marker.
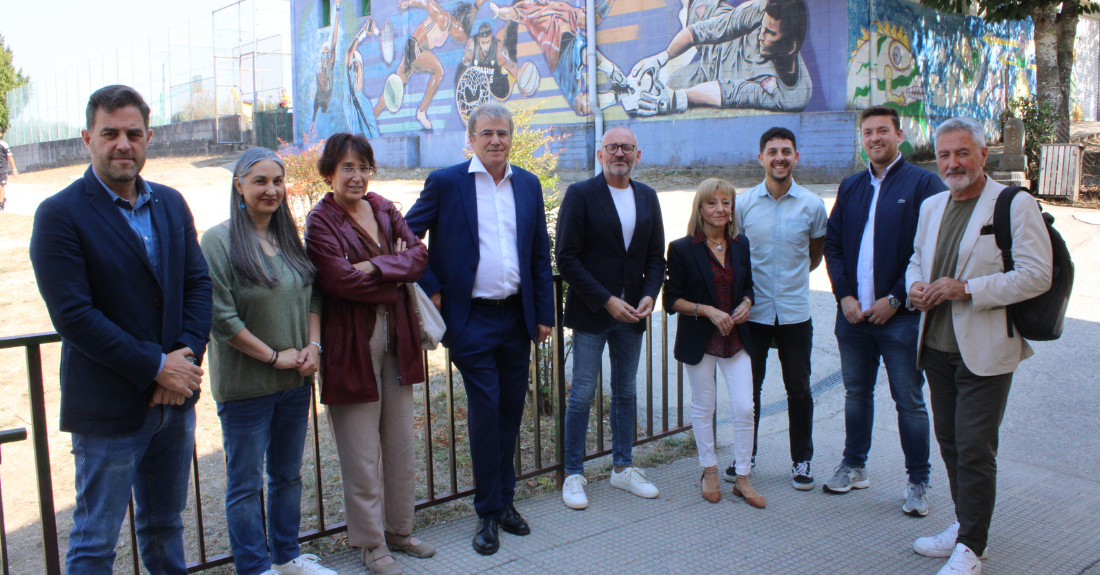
(956, 278)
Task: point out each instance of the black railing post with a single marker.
(7, 436)
(559, 378)
(41, 444)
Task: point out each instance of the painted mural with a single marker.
(930, 65)
(416, 66)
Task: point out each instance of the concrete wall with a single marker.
(194, 138)
(1085, 105)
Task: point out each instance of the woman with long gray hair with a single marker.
(263, 355)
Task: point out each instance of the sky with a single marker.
(51, 36)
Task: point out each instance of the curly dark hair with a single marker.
(465, 13)
(337, 146)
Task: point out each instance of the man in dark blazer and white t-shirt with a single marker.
(610, 248)
(489, 272)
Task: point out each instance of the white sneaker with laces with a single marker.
(633, 480)
(963, 561)
(572, 492)
(305, 564)
(942, 545)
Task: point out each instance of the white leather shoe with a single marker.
(963, 561)
(572, 492)
(633, 480)
(942, 545)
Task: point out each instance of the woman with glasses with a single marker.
(709, 284)
(263, 354)
(365, 254)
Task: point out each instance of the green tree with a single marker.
(1055, 24)
(10, 79)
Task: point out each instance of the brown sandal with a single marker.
(742, 488)
(711, 474)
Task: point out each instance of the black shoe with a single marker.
(512, 522)
(486, 538)
(731, 473)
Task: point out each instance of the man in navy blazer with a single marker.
(119, 267)
(610, 248)
(489, 273)
(868, 243)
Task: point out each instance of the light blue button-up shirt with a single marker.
(140, 217)
(779, 233)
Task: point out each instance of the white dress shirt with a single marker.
(624, 204)
(779, 233)
(865, 266)
(498, 267)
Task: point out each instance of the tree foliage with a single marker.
(304, 185)
(1055, 24)
(10, 79)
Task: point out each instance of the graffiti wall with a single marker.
(1085, 98)
(929, 65)
(412, 66)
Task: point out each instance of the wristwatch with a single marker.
(319, 350)
(894, 302)
(966, 288)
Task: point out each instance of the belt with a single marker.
(510, 300)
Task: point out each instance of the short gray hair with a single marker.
(491, 110)
(963, 125)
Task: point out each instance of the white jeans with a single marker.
(737, 371)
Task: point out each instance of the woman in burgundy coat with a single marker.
(365, 254)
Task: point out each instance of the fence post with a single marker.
(42, 461)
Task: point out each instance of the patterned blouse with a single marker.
(728, 345)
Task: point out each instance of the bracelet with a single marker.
(319, 349)
(696, 310)
(274, 357)
(747, 300)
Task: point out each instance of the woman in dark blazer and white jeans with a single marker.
(710, 285)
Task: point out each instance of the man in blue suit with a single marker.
(119, 267)
(489, 273)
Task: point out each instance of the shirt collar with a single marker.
(144, 192)
(477, 166)
(884, 173)
(794, 191)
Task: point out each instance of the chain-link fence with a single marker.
(222, 65)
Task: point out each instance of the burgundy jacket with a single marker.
(347, 372)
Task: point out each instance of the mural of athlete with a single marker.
(748, 58)
(559, 30)
(430, 34)
(495, 54)
(357, 109)
(323, 96)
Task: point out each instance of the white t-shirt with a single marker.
(624, 204)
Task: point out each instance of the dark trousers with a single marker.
(794, 342)
(967, 410)
(493, 353)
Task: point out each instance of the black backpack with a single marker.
(1040, 318)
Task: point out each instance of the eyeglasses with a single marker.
(626, 148)
(365, 171)
(488, 134)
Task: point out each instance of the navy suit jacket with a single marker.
(115, 315)
(447, 208)
(596, 263)
(896, 214)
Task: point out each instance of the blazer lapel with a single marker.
(163, 229)
(703, 261)
(603, 198)
(641, 214)
(468, 189)
(931, 238)
(101, 202)
(982, 213)
(523, 211)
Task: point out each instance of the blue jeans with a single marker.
(153, 462)
(861, 345)
(624, 347)
(275, 425)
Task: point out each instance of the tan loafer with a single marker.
(371, 557)
(742, 488)
(404, 544)
(708, 484)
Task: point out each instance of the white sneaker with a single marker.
(633, 480)
(305, 564)
(572, 492)
(942, 545)
(963, 561)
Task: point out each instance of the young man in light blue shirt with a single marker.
(785, 224)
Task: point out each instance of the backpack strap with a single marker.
(1002, 232)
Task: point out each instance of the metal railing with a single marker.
(437, 492)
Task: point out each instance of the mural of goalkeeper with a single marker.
(430, 34)
(357, 109)
(559, 30)
(748, 58)
(323, 95)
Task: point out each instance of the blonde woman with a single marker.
(709, 284)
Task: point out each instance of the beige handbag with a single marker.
(431, 323)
